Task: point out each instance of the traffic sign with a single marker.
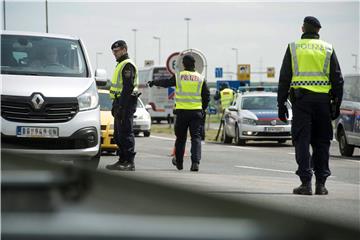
(171, 62)
(243, 72)
(218, 72)
(270, 71)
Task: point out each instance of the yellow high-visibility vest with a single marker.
(226, 97)
(117, 79)
(310, 60)
(188, 90)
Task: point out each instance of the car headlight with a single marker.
(248, 121)
(89, 99)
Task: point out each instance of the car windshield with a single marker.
(42, 56)
(352, 88)
(259, 103)
(106, 102)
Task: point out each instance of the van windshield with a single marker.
(43, 56)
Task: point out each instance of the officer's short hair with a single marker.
(119, 44)
(188, 61)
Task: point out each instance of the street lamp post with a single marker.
(158, 38)
(187, 24)
(134, 30)
(356, 62)
(46, 16)
(97, 60)
(236, 57)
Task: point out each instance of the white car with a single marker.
(49, 99)
(254, 116)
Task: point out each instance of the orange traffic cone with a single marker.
(173, 153)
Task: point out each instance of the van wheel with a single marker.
(147, 134)
(225, 138)
(345, 149)
(238, 140)
(90, 164)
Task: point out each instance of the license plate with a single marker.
(274, 129)
(37, 132)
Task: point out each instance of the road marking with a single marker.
(291, 153)
(163, 138)
(265, 169)
(246, 148)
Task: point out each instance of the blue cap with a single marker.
(312, 21)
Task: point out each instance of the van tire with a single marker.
(345, 148)
(147, 134)
(89, 164)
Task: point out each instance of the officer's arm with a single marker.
(171, 82)
(336, 78)
(205, 95)
(217, 95)
(285, 78)
(128, 75)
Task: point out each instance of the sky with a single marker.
(260, 31)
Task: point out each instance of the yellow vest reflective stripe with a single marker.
(311, 65)
(117, 79)
(188, 90)
(226, 97)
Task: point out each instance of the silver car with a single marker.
(254, 116)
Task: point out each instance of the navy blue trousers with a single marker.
(311, 126)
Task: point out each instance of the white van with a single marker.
(160, 99)
(49, 100)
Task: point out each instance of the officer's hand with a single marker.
(283, 113)
(335, 113)
(150, 83)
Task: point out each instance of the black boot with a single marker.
(303, 189)
(320, 189)
(114, 166)
(194, 167)
(178, 165)
(122, 166)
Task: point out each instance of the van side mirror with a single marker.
(233, 108)
(100, 77)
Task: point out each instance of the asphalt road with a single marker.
(261, 172)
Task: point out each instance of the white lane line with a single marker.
(163, 138)
(271, 170)
(245, 148)
(291, 153)
(265, 169)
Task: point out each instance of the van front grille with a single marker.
(52, 110)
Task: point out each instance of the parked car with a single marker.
(254, 116)
(348, 124)
(142, 121)
(49, 99)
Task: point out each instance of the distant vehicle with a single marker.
(254, 116)
(49, 100)
(142, 121)
(348, 124)
(160, 99)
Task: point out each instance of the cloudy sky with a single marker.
(259, 30)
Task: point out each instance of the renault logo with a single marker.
(273, 122)
(37, 101)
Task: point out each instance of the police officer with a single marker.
(311, 76)
(226, 96)
(192, 98)
(123, 91)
